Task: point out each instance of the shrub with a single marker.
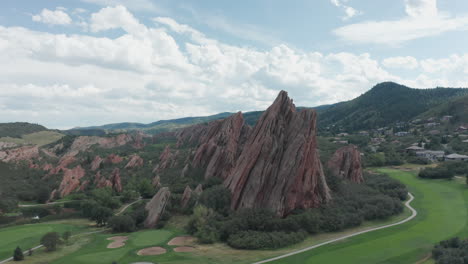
(217, 198)
(123, 223)
(436, 173)
(18, 254)
(50, 241)
(264, 240)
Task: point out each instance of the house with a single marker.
(432, 155)
(377, 140)
(414, 149)
(465, 141)
(456, 157)
(341, 141)
(401, 134)
(434, 132)
(433, 124)
(363, 133)
(343, 134)
(35, 217)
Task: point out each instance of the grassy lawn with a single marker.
(38, 138)
(28, 236)
(442, 213)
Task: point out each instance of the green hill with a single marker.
(18, 129)
(456, 107)
(385, 104)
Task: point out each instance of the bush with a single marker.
(123, 223)
(35, 211)
(217, 198)
(50, 241)
(18, 254)
(264, 240)
(452, 251)
(436, 173)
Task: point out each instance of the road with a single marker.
(414, 213)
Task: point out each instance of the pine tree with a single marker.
(18, 254)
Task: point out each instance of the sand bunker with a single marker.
(118, 241)
(151, 251)
(184, 249)
(181, 241)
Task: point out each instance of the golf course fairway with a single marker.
(442, 213)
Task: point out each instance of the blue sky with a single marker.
(87, 62)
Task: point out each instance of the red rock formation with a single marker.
(18, 154)
(346, 163)
(198, 190)
(5, 145)
(186, 197)
(166, 160)
(138, 140)
(47, 167)
(185, 171)
(156, 181)
(135, 161)
(114, 159)
(115, 180)
(156, 207)
(63, 164)
(101, 182)
(96, 163)
(220, 146)
(84, 185)
(279, 167)
(33, 165)
(71, 180)
(52, 196)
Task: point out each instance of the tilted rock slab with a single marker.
(346, 163)
(156, 207)
(279, 167)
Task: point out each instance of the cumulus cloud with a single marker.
(57, 17)
(171, 70)
(408, 63)
(422, 20)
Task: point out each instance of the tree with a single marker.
(18, 254)
(145, 189)
(30, 252)
(50, 241)
(217, 198)
(43, 194)
(122, 223)
(66, 235)
(101, 214)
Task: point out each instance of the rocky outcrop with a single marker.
(219, 147)
(166, 160)
(96, 163)
(114, 159)
(6, 145)
(135, 161)
(62, 165)
(47, 167)
(184, 171)
(346, 164)
(156, 181)
(116, 181)
(198, 190)
(71, 180)
(279, 167)
(186, 197)
(84, 143)
(156, 207)
(18, 154)
(53, 196)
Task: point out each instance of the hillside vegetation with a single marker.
(18, 129)
(384, 104)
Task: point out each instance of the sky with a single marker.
(74, 63)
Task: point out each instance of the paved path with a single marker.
(46, 204)
(414, 213)
(82, 234)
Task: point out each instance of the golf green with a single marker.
(442, 213)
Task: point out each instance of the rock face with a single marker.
(62, 165)
(186, 197)
(115, 180)
(346, 163)
(156, 207)
(114, 159)
(166, 160)
(219, 147)
(18, 154)
(279, 167)
(96, 163)
(71, 180)
(135, 161)
(199, 189)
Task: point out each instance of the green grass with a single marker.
(37, 138)
(442, 213)
(28, 236)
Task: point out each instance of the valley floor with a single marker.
(442, 213)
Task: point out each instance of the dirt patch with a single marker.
(152, 251)
(181, 241)
(184, 249)
(118, 241)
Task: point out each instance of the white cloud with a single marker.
(136, 5)
(408, 63)
(171, 70)
(349, 11)
(57, 17)
(423, 20)
(421, 8)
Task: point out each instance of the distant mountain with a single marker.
(385, 104)
(26, 134)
